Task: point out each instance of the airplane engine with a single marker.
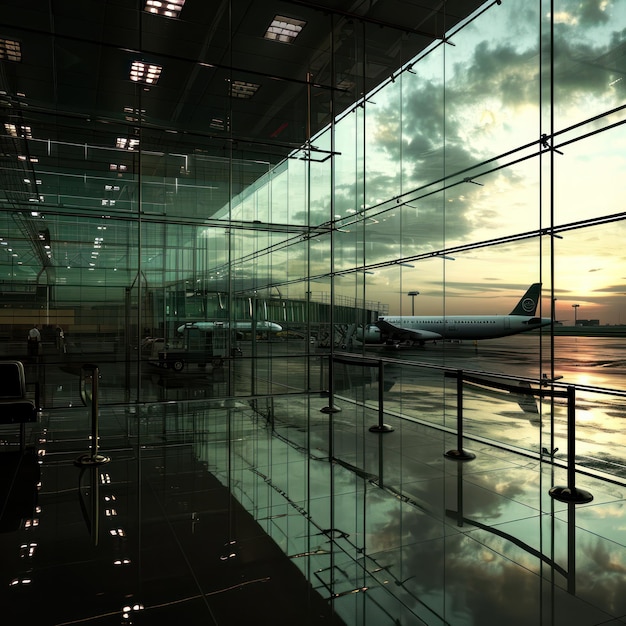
(371, 334)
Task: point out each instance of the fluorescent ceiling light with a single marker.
(284, 29)
(133, 115)
(168, 8)
(147, 73)
(126, 144)
(242, 89)
(18, 131)
(10, 50)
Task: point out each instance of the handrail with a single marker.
(495, 375)
(542, 392)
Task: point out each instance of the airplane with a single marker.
(209, 327)
(211, 350)
(409, 330)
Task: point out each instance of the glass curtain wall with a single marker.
(162, 242)
(194, 257)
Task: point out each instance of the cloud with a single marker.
(584, 13)
(422, 133)
(490, 94)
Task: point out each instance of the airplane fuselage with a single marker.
(240, 326)
(465, 326)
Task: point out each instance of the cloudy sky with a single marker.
(488, 85)
(453, 155)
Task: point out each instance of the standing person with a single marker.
(34, 339)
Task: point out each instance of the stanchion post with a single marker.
(381, 427)
(94, 458)
(459, 454)
(331, 408)
(570, 493)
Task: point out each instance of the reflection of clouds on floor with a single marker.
(470, 543)
(473, 571)
(450, 542)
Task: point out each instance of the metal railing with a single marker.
(543, 389)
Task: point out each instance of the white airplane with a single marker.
(418, 329)
(209, 327)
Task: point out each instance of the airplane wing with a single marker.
(404, 334)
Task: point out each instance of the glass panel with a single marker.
(588, 63)
(301, 268)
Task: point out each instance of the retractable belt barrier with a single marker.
(567, 493)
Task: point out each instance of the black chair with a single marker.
(15, 407)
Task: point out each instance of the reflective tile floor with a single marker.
(227, 512)
(150, 537)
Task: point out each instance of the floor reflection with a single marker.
(222, 510)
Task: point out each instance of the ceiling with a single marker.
(76, 56)
(70, 100)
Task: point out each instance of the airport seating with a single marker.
(15, 407)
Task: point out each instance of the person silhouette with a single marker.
(33, 341)
(60, 339)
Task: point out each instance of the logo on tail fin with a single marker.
(529, 301)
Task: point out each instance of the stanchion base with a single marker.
(330, 409)
(381, 428)
(89, 460)
(573, 495)
(460, 455)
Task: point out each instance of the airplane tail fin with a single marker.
(529, 301)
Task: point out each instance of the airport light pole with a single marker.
(412, 295)
(575, 307)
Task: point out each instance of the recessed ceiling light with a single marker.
(134, 115)
(126, 144)
(168, 8)
(18, 131)
(242, 89)
(284, 29)
(10, 50)
(147, 73)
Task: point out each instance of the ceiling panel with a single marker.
(72, 90)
